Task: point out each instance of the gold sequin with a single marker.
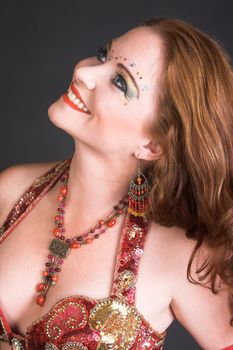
(74, 345)
(3, 334)
(117, 322)
(50, 347)
(125, 280)
(46, 178)
(135, 233)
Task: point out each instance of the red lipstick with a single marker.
(71, 103)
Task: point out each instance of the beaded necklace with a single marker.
(60, 246)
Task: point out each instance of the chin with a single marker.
(65, 118)
(61, 115)
(55, 113)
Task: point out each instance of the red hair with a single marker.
(192, 183)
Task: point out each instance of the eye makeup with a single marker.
(133, 89)
(134, 85)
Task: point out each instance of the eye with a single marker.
(120, 82)
(101, 54)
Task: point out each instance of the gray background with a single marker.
(40, 43)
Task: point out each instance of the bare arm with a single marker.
(205, 315)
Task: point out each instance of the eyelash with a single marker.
(103, 51)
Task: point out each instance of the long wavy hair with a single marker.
(192, 183)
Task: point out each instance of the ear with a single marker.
(151, 151)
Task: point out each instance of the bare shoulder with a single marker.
(194, 306)
(15, 180)
(167, 252)
(173, 244)
(175, 250)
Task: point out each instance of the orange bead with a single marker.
(40, 300)
(55, 278)
(40, 287)
(45, 273)
(89, 240)
(111, 222)
(101, 222)
(63, 190)
(56, 232)
(75, 245)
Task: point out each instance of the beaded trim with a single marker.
(30, 197)
(3, 331)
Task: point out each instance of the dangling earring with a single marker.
(138, 193)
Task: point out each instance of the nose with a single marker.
(86, 75)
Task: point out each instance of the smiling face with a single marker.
(120, 88)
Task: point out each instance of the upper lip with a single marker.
(74, 89)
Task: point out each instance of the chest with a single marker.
(88, 271)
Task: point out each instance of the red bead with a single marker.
(58, 217)
(101, 222)
(40, 287)
(55, 278)
(120, 211)
(75, 245)
(40, 300)
(111, 222)
(60, 198)
(63, 190)
(56, 232)
(89, 240)
(45, 273)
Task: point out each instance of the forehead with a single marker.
(143, 47)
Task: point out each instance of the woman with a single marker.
(152, 112)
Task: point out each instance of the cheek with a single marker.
(118, 121)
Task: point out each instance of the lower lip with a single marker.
(71, 104)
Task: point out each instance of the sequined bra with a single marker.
(78, 322)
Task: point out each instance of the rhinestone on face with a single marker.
(133, 64)
(145, 88)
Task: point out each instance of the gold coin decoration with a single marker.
(117, 322)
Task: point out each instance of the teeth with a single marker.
(71, 96)
(76, 101)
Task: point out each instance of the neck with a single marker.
(96, 183)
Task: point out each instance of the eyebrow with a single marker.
(121, 65)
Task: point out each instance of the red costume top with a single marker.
(78, 322)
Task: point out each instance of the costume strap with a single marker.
(31, 197)
(128, 258)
